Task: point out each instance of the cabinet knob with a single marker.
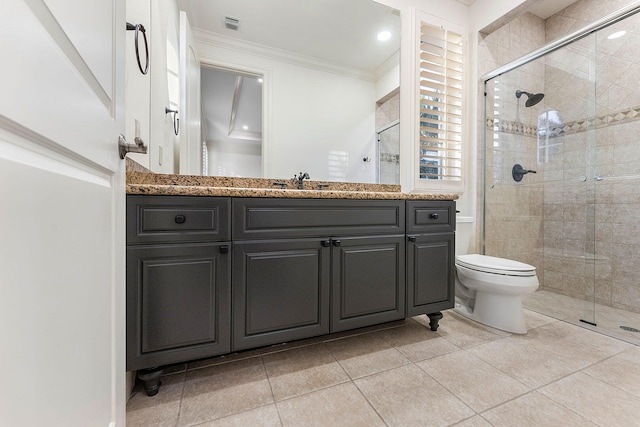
(224, 249)
(336, 243)
(325, 243)
(180, 219)
(412, 238)
(433, 215)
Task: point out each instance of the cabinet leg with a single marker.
(434, 318)
(151, 379)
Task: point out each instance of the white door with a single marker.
(61, 213)
(190, 139)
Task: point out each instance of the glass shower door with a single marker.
(389, 154)
(616, 179)
(539, 116)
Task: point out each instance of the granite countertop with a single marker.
(142, 183)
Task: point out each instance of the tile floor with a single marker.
(403, 374)
(608, 319)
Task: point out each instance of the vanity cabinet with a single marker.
(303, 268)
(178, 279)
(211, 275)
(430, 258)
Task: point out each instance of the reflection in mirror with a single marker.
(232, 122)
(389, 154)
(173, 83)
(326, 79)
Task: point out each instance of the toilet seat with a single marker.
(494, 265)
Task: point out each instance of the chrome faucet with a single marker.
(300, 179)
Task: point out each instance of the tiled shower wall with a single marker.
(513, 212)
(578, 232)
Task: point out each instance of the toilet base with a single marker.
(499, 311)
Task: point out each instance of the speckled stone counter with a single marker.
(191, 185)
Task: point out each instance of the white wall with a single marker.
(137, 85)
(388, 82)
(233, 158)
(163, 144)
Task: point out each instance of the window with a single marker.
(440, 99)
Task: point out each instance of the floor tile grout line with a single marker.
(542, 394)
(462, 401)
(614, 385)
(369, 402)
(447, 389)
(184, 383)
(273, 396)
(349, 379)
(581, 370)
(537, 390)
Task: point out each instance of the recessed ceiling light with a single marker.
(617, 34)
(384, 36)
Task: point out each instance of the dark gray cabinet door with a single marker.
(368, 281)
(280, 291)
(178, 303)
(430, 270)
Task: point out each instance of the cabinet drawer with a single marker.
(286, 218)
(155, 219)
(430, 216)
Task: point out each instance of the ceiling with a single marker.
(334, 31)
(546, 8)
(540, 8)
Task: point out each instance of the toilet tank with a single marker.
(464, 231)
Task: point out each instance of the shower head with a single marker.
(532, 99)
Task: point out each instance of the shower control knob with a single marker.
(517, 172)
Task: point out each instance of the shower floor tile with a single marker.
(608, 319)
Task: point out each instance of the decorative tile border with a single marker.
(515, 128)
(582, 125)
(389, 157)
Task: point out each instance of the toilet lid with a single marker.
(495, 265)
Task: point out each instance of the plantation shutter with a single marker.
(441, 91)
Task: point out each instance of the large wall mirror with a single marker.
(327, 84)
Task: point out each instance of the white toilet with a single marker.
(489, 290)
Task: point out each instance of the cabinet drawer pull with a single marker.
(180, 219)
(224, 249)
(433, 215)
